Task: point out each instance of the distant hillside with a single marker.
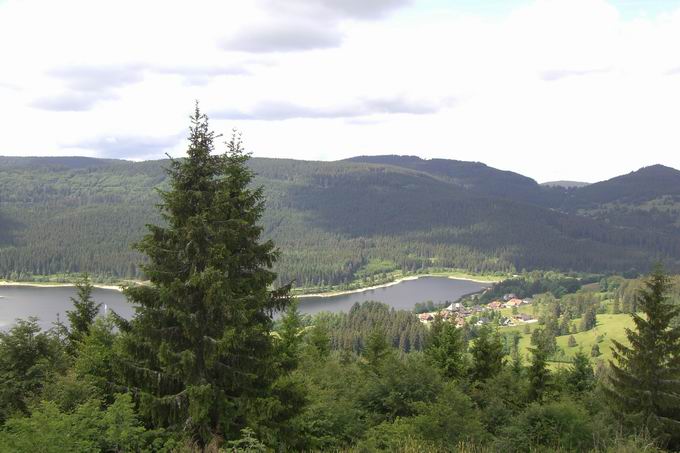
(646, 184)
(334, 221)
(476, 177)
(647, 199)
(565, 184)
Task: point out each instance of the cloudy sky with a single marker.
(554, 89)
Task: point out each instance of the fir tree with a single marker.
(571, 342)
(516, 364)
(645, 378)
(290, 334)
(199, 354)
(446, 348)
(539, 375)
(83, 314)
(595, 351)
(589, 320)
(376, 348)
(580, 376)
(487, 355)
(319, 340)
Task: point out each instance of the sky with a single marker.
(553, 89)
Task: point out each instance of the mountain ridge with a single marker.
(335, 221)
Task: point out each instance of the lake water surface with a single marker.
(402, 296)
(47, 302)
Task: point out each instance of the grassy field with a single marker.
(609, 327)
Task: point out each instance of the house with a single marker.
(455, 307)
(445, 314)
(513, 303)
(523, 317)
(482, 321)
(495, 305)
(506, 322)
(425, 317)
(509, 296)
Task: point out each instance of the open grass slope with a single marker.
(609, 327)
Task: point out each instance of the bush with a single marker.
(562, 426)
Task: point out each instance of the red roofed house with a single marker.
(425, 317)
(514, 303)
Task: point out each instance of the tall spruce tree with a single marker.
(82, 316)
(199, 353)
(487, 354)
(580, 376)
(645, 378)
(539, 375)
(589, 320)
(446, 348)
(290, 334)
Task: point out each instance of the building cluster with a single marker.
(460, 314)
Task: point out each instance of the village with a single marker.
(478, 315)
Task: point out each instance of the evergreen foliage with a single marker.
(290, 333)
(580, 376)
(487, 354)
(446, 348)
(84, 311)
(589, 320)
(645, 378)
(595, 351)
(334, 221)
(571, 342)
(350, 331)
(28, 359)
(539, 375)
(199, 353)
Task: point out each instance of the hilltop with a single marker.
(359, 219)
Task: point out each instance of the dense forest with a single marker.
(203, 367)
(338, 222)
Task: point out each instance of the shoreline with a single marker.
(392, 283)
(56, 285)
(299, 296)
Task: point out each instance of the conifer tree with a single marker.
(589, 320)
(645, 378)
(571, 342)
(595, 351)
(516, 364)
(290, 334)
(539, 375)
(82, 316)
(565, 324)
(199, 353)
(580, 376)
(319, 340)
(446, 348)
(487, 354)
(376, 348)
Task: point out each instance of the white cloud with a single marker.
(556, 89)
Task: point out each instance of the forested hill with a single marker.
(476, 177)
(339, 221)
(645, 199)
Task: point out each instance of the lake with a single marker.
(402, 296)
(47, 302)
